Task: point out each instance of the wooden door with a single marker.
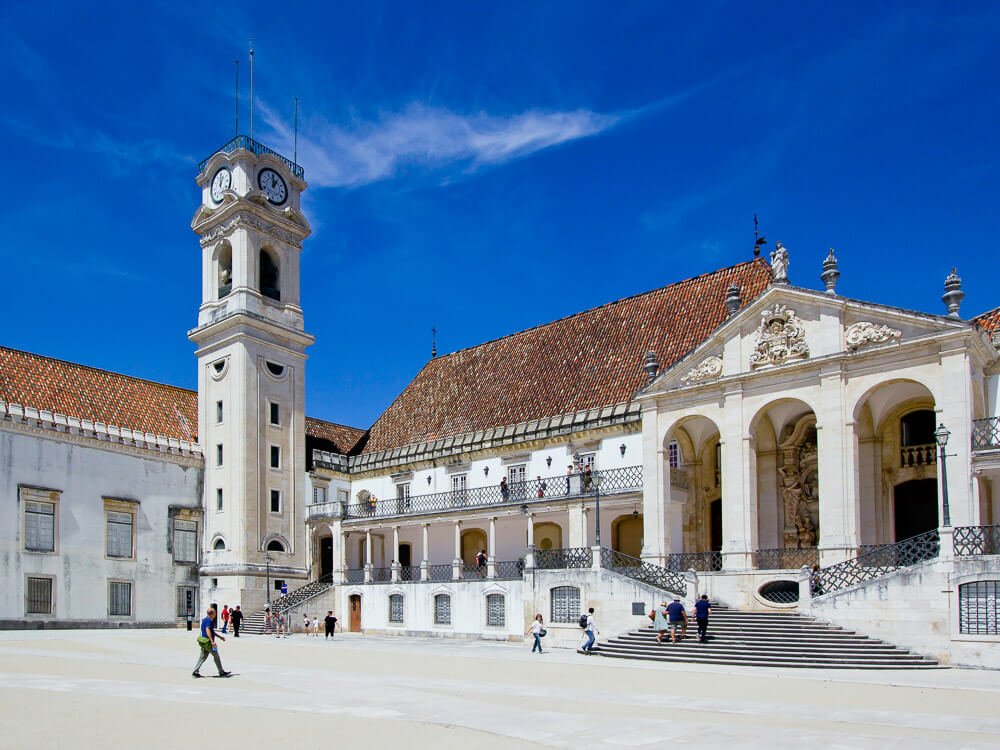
(355, 607)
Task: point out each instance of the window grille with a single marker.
(39, 599)
(185, 541)
(496, 614)
(977, 607)
(120, 599)
(396, 609)
(119, 534)
(187, 604)
(565, 604)
(442, 609)
(39, 526)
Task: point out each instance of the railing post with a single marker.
(529, 558)
(394, 574)
(368, 572)
(691, 595)
(456, 563)
(946, 549)
(805, 589)
(595, 562)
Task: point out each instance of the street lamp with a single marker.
(941, 436)
(267, 568)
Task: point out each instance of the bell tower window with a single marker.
(269, 280)
(225, 270)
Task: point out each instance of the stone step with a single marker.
(801, 662)
(874, 651)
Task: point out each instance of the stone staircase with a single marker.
(766, 639)
(254, 624)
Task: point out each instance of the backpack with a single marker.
(583, 621)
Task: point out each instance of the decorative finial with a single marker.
(953, 294)
(830, 273)
(651, 365)
(733, 300)
(758, 239)
(779, 264)
(434, 342)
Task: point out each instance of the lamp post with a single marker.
(267, 568)
(941, 436)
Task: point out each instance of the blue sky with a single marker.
(487, 167)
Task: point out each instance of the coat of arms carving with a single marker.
(781, 338)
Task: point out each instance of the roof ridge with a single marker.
(975, 318)
(688, 280)
(338, 424)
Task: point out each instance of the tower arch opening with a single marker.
(269, 275)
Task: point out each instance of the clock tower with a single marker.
(251, 344)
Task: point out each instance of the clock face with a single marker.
(221, 182)
(273, 186)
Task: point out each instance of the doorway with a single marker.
(405, 560)
(915, 507)
(626, 535)
(355, 613)
(715, 525)
(326, 557)
(473, 540)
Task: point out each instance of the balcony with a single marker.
(612, 482)
(918, 455)
(986, 434)
(249, 144)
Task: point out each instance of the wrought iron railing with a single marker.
(472, 570)
(787, 558)
(985, 433)
(509, 569)
(355, 575)
(569, 557)
(612, 481)
(644, 572)
(248, 143)
(701, 561)
(381, 575)
(409, 573)
(977, 540)
(918, 455)
(877, 563)
(443, 572)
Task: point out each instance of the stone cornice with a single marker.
(233, 216)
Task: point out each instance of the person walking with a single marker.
(268, 621)
(206, 642)
(590, 631)
(660, 622)
(305, 623)
(316, 626)
(236, 617)
(225, 618)
(331, 624)
(702, 609)
(537, 629)
(678, 619)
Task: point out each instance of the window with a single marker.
(565, 604)
(120, 599)
(403, 496)
(343, 496)
(38, 596)
(977, 607)
(275, 414)
(516, 476)
(276, 501)
(39, 526)
(186, 602)
(496, 615)
(458, 482)
(917, 428)
(119, 534)
(269, 276)
(218, 499)
(278, 584)
(275, 369)
(219, 545)
(218, 454)
(319, 495)
(442, 609)
(218, 412)
(275, 546)
(185, 541)
(587, 461)
(275, 457)
(396, 609)
(674, 454)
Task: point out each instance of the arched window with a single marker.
(442, 609)
(269, 280)
(396, 609)
(219, 545)
(496, 612)
(225, 269)
(275, 546)
(565, 604)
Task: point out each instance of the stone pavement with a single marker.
(132, 688)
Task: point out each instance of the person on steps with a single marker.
(678, 619)
(702, 610)
(660, 622)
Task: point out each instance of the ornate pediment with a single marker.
(781, 338)
(710, 368)
(863, 333)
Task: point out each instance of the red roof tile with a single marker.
(989, 321)
(344, 438)
(587, 360)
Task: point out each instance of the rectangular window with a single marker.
(187, 604)
(39, 526)
(442, 609)
(275, 457)
(120, 527)
(275, 501)
(218, 499)
(343, 496)
(565, 604)
(403, 496)
(275, 414)
(319, 495)
(185, 541)
(218, 454)
(977, 607)
(38, 596)
(517, 475)
(218, 412)
(458, 482)
(120, 599)
(496, 614)
(674, 454)
(396, 609)
(587, 461)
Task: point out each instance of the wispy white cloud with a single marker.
(425, 137)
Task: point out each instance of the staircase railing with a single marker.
(302, 594)
(700, 561)
(568, 557)
(644, 572)
(977, 540)
(877, 563)
(786, 558)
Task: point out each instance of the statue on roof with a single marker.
(779, 264)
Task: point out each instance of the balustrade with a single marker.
(788, 558)
(918, 455)
(986, 433)
(700, 561)
(977, 540)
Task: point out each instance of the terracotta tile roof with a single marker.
(343, 438)
(989, 321)
(121, 400)
(590, 359)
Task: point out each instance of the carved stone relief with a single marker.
(780, 338)
(800, 484)
(863, 333)
(709, 369)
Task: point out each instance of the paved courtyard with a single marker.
(118, 689)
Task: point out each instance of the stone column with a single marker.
(368, 556)
(456, 563)
(739, 485)
(395, 554)
(338, 552)
(576, 536)
(954, 411)
(837, 456)
(425, 562)
(491, 565)
(653, 490)
(529, 555)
